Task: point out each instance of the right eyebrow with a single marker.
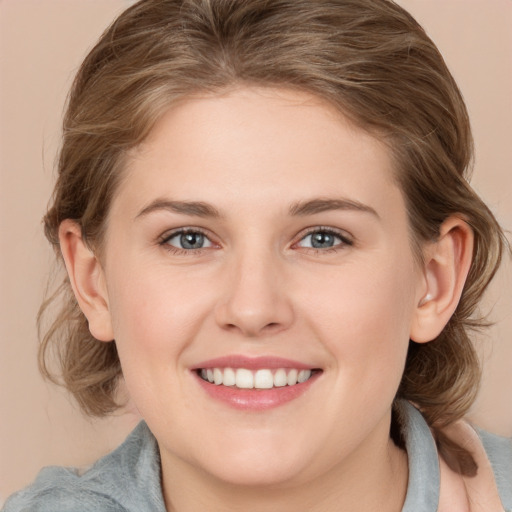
(192, 208)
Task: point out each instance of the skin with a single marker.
(258, 288)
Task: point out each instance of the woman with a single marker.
(264, 215)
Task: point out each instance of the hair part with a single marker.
(368, 58)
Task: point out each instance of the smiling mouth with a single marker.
(243, 378)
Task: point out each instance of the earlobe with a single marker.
(447, 264)
(87, 280)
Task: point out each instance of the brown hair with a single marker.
(369, 58)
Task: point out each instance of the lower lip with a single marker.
(256, 399)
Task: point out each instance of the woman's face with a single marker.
(260, 239)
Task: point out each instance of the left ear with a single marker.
(447, 263)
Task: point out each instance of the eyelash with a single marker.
(344, 240)
(342, 236)
(164, 241)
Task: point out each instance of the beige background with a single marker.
(41, 44)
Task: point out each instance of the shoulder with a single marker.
(60, 490)
(499, 452)
(491, 487)
(432, 482)
(126, 480)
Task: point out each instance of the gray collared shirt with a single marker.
(128, 479)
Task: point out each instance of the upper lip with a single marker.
(252, 363)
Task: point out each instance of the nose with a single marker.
(255, 300)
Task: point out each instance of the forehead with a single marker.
(256, 142)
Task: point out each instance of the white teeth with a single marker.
(217, 376)
(292, 377)
(280, 379)
(244, 379)
(304, 376)
(263, 379)
(259, 379)
(229, 377)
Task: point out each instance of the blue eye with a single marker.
(188, 240)
(323, 239)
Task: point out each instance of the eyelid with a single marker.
(179, 231)
(163, 239)
(344, 236)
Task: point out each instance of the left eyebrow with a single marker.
(320, 205)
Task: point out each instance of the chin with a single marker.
(253, 461)
(268, 473)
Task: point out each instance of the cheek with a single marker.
(365, 318)
(154, 322)
(150, 314)
(157, 314)
(153, 316)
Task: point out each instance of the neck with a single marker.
(376, 480)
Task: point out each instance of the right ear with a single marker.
(87, 280)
